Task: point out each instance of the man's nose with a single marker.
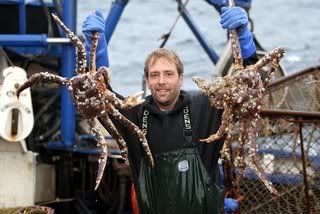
(162, 79)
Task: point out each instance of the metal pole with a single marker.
(22, 17)
(113, 17)
(303, 116)
(30, 40)
(67, 70)
(187, 18)
(23, 40)
(58, 40)
(304, 167)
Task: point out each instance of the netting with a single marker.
(298, 92)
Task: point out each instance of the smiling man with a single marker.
(164, 76)
(185, 178)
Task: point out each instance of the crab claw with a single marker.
(199, 81)
(214, 137)
(210, 139)
(134, 100)
(207, 140)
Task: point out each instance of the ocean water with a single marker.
(291, 24)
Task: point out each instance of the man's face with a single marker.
(164, 83)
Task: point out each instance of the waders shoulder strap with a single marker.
(187, 130)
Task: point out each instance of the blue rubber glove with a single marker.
(230, 205)
(236, 18)
(95, 22)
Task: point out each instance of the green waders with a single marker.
(178, 183)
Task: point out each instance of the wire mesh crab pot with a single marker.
(288, 147)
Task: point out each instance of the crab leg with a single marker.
(117, 137)
(103, 74)
(269, 77)
(225, 151)
(254, 161)
(212, 90)
(274, 65)
(203, 86)
(240, 150)
(222, 129)
(127, 103)
(235, 45)
(42, 76)
(81, 51)
(135, 129)
(93, 49)
(274, 56)
(207, 88)
(101, 142)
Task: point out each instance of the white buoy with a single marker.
(16, 115)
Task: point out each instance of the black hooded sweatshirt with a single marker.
(165, 130)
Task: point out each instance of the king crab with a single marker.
(240, 95)
(92, 99)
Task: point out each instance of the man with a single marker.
(185, 178)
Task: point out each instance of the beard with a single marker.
(166, 97)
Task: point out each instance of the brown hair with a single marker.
(165, 54)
